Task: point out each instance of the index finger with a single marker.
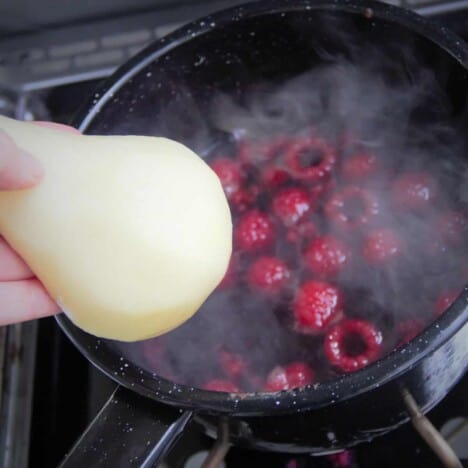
(12, 266)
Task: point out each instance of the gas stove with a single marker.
(49, 392)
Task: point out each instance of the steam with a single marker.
(397, 110)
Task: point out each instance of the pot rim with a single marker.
(100, 353)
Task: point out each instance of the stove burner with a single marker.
(430, 434)
(220, 448)
(218, 457)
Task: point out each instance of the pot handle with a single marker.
(130, 430)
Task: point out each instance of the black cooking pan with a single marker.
(147, 413)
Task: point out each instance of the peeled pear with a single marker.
(129, 234)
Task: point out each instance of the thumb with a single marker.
(18, 169)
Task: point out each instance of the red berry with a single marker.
(273, 176)
(291, 204)
(453, 227)
(359, 166)
(326, 256)
(310, 158)
(229, 174)
(381, 246)
(294, 375)
(444, 301)
(244, 198)
(220, 385)
(251, 152)
(233, 364)
(414, 191)
(268, 274)
(352, 344)
(254, 232)
(303, 231)
(352, 207)
(343, 459)
(316, 305)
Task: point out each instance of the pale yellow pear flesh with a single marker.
(129, 234)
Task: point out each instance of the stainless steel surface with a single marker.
(89, 50)
(21, 15)
(16, 393)
(455, 432)
(70, 54)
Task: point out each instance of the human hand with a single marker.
(22, 296)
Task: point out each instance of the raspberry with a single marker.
(453, 227)
(444, 301)
(254, 232)
(352, 344)
(229, 174)
(381, 246)
(290, 205)
(359, 166)
(268, 274)
(273, 176)
(244, 198)
(310, 158)
(343, 459)
(414, 191)
(220, 385)
(326, 256)
(251, 152)
(352, 207)
(316, 305)
(303, 231)
(294, 375)
(232, 364)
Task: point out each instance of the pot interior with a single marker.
(258, 74)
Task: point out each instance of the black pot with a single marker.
(268, 40)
